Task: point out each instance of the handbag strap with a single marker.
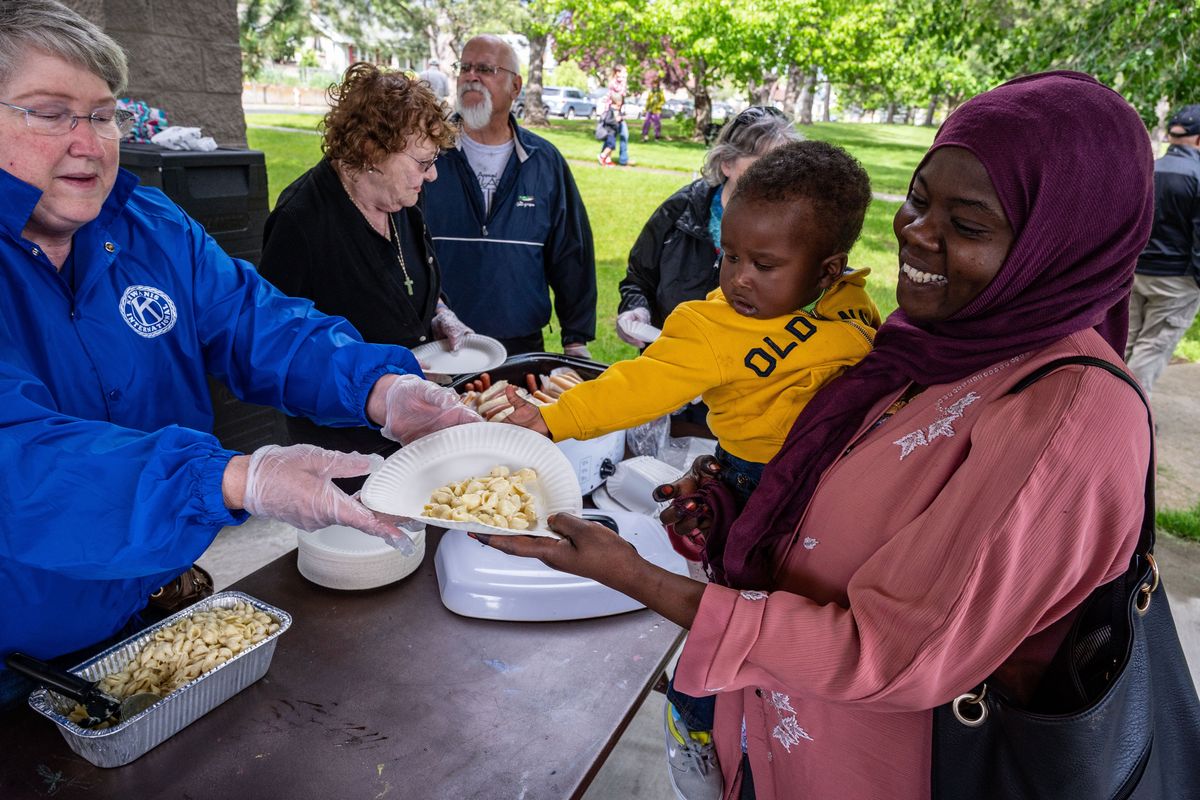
(1146, 540)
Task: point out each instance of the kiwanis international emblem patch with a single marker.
(149, 311)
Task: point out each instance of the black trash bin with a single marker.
(225, 190)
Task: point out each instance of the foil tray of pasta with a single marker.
(196, 659)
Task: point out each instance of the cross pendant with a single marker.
(408, 284)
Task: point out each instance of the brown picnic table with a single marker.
(383, 693)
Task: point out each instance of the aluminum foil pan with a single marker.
(136, 736)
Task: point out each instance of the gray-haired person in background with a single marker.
(437, 80)
(1166, 285)
(675, 256)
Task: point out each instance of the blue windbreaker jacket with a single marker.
(498, 267)
(111, 477)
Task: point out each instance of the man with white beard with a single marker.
(507, 220)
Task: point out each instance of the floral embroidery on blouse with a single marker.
(754, 594)
(782, 702)
(943, 426)
(788, 732)
(810, 542)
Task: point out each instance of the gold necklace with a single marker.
(408, 282)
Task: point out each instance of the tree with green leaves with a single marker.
(1145, 49)
(271, 30)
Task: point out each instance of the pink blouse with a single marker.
(951, 541)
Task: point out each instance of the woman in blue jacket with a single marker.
(114, 305)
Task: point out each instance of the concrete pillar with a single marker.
(184, 57)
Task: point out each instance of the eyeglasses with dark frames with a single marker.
(108, 123)
(425, 164)
(466, 68)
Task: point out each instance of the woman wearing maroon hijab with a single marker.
(922, 528)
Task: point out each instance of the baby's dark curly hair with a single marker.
(374, 114)
(821, 173)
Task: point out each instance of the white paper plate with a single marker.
(343, 543)
(643, 330)
(410, 475)
(478, 353)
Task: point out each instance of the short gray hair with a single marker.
(52, 28)
(751, 139)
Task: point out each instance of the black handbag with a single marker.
(607, 125)
(1116, 715)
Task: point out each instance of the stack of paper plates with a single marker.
(344, 558)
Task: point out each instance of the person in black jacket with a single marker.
(1166, 285)
(675, 256)
(349, 234)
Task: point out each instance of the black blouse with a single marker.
(318, 245)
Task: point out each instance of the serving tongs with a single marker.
(100, 707)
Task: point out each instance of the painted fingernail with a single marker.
(664, 492)
(482, 538)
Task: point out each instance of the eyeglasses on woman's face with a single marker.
(466, 68)
(108, 123)
(425, 164)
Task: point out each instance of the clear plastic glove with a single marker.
(447, 325)
(293, 485)
(628, 321)
(577, 349)
(415, 407)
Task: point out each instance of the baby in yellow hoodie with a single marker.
(789, 317)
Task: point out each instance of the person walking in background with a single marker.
(349, 234)
(614, 102)
(1166, 286)
(507, 220)
(438, 83)
(654, 106)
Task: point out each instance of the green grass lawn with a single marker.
(1184, 523)
(619, 201)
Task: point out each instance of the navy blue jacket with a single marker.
(111, 483)
(1174, 246)
(498, 267)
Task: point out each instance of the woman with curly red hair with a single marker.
(349, 235)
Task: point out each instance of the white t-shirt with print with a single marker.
(487, 162)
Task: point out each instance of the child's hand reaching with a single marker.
(524, 413)
(686, 520)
